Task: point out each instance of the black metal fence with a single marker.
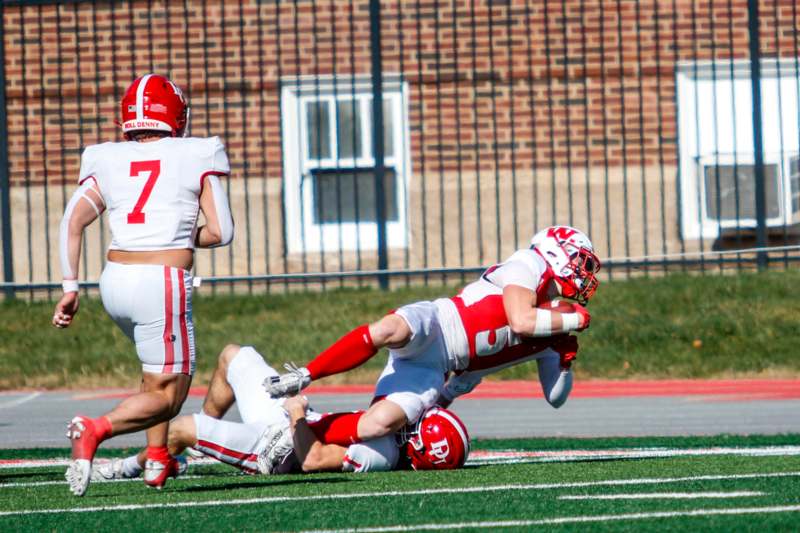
(402, 140)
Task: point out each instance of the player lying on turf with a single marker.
(283, 436)
(504, 318)
(152, 187)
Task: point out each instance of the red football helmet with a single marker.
(570, 254)
(439, 441)
(153, 102)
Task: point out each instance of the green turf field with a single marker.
(664, 484)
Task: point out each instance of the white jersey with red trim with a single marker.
(375, 455)
(152, 189)
(474, 322)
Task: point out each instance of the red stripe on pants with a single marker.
(184, 331)
(232, 457)
(169, 345)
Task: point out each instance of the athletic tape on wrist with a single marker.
(544, 323)
(569, 321)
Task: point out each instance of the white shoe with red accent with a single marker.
(110, 471)
(156, 473)
(115, 470)
(289, 384)
(84, 445)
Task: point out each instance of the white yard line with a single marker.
(662, 495)
(389, 494)
(568, 520)
(509, 457)
(20, 401)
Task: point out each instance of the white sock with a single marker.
(131, 467)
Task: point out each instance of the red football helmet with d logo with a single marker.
(439, 441)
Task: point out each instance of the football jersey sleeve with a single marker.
(376, 455)
(219, 159)
(520, 269)
(89, 164)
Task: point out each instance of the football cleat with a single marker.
(81, 432)
(114, 470)
(289, 384)
(278, 444)
(109, 471)
(193, 453)
(156, 473)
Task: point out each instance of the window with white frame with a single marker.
(329, 192)
(717, 162)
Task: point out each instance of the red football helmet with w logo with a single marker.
(439, 441)
(154, 103)
(570, 255)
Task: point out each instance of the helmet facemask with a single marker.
(569, 254)
(585, 265)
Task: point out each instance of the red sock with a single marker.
(350, 351)
(158, 453)
(102, 428)
(338, 428)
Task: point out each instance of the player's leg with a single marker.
(160, 399)
(233, 443)
(152, 306)
(220, 396)
(182, 434)
(409, 384)
(350, 351)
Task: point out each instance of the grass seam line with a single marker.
(383, 494)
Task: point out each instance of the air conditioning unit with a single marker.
(726, 195)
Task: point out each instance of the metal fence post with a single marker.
(377, 136)
(758, 143)
(5, 200)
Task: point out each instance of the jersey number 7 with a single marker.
(154, 168)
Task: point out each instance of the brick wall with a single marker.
(537, 88)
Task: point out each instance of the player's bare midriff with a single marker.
(180, 258)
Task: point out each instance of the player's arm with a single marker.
(556, 380)
(314, 456)
(524, 318)
(218, 229)
(82, 209)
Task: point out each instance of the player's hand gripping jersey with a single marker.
(151, 190)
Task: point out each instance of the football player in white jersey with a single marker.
(279, 436)
(504, 318)
(152, 187)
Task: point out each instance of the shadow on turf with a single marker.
(266, 483)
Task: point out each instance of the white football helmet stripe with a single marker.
(140, 96)
(456, 424)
